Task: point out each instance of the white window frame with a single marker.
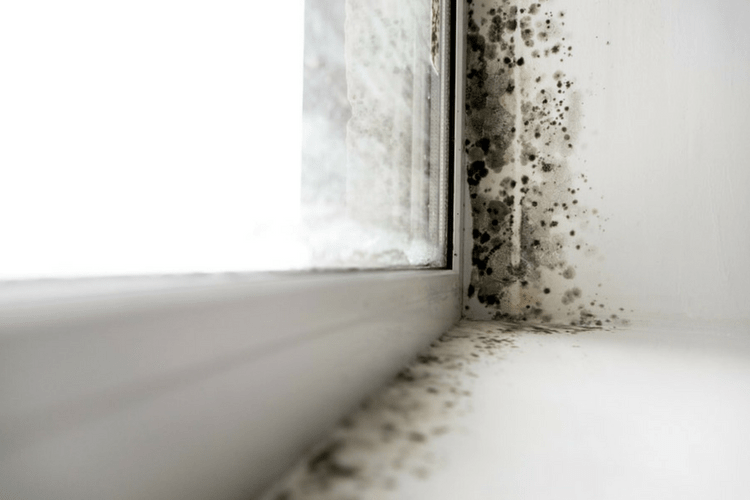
(204, 386)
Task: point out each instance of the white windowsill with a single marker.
(197, 387)
(495, 410)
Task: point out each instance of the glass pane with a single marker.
(152, 137)
(371, 135)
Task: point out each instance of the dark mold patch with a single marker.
(523, 120)
(325, 467)
(392, 433)
(435, 35)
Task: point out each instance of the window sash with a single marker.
(197, 386)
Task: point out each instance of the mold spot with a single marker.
(325, 465)
(522, 124)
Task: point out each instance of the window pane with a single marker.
(371, 170)
(157, 136)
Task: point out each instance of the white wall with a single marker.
(666, 148)
(643, 211)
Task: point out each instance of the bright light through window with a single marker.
(163, 137)
(149, 136)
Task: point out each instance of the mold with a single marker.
(523, 123)
(390, 439)
(435, 35)
(325, 466)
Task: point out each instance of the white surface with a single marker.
(654, 412)
(635, 414)
(665, 149)
(647, 413)
(196, 388)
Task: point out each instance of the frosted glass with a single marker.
(169, 137)
(372, 168)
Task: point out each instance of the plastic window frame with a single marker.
(186, 375)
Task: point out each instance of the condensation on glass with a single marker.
(165, 137)
(374, 175)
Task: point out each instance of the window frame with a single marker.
(163, 373)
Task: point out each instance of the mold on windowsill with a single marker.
(501, 410)
(394, 438)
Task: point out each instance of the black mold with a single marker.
(521, 129)
(325, 467)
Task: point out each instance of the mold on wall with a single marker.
(523, 119)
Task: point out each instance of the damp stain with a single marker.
(435, 35)
(523, 121)
(391, 438)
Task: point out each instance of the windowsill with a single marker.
(497, 411)
(158, 388)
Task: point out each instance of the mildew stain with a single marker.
(435, 35)
(523, 122)
(391, 438)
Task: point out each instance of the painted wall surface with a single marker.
(608, 144)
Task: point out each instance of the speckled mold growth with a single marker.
(523, 120)
(396, 437)
(435, 35)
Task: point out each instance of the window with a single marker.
(174, 138)
(142, 138)
(189, 386)
(374, 174)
